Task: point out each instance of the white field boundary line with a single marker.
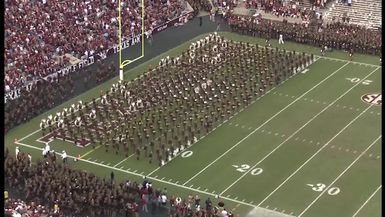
(147, 177)
(354, 215)
(123, 160)
(152, 172)
(288, 138)
(263, 124)
(353, 62)
(339, 176)
(315, 154)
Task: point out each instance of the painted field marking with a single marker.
(339, 176)
(263, 124)
(314, 117)
(123, 167)
(315, 154)
(108, 164)
(123, 160)
(102, 162)
(206, 189)
(176, 182)
(379, 187)
(90, 151)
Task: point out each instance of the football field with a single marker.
(308, 147)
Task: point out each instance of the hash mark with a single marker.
(275, 134)
(235, 198)
(283, 211)
(156, 176)
(355, 151)
(370, 155)
(332, 146)
(135, 171)
(243, 126)
(176, 182)
(305, 99)
(170, 180)
(108, 164)
(191, 186)
(340, 148)
(296, 138)
(351, 108)
(303, 140)
(102, 162)
(198, 188)
(311, 141)
(292, 97)
(89, 159)
(317, 101)
(371, 112)
(228, 196)
(213, 192)
(378, 157)
(236, 125)
(250, 128)
(275, 208)
(357, 109)
(206, 189)
(347, 150)
(122, 168)
(283, 135)
(311, 100)
(267, 206)
(162, 178)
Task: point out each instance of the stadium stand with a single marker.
(77, 193)
(38, 34)
(365, 13)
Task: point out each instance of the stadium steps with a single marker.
(367, 13)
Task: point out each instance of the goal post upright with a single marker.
(123, 63)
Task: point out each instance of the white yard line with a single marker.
(341, 60)
(288, 138)
(123, 160)
(298, 98)
(152, 172)
(338, 177)
(354, 215)
(148, 177)
(319, 150)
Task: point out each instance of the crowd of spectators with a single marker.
(45, 94)
(282, 9)
(200, 5)
(74, 192)
(37, 33)
(19, 208)
(335, 35)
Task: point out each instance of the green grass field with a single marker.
(309, 147)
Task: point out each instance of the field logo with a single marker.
(374, 98)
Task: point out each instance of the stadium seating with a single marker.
(292, 9)
(37, 34)
(361, 12)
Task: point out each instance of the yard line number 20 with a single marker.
(245, 167)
